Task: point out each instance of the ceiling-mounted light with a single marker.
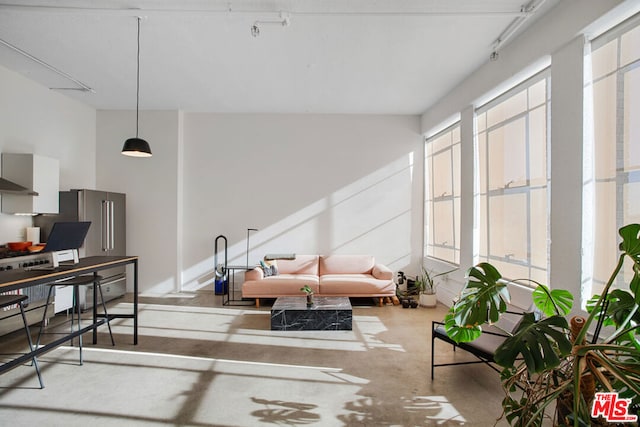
(137, 147)
(82, 87)
(284, 21)
(526, 12)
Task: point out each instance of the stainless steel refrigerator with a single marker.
(106, 236)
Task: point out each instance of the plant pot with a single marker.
(428, 300)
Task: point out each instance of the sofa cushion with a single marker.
(302, 264)
(382, 272)
(346, 264)
(281, 285)
(254, 274)
(355, 284)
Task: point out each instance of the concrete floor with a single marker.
(202, 364)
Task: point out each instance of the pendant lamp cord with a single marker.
(138, 80)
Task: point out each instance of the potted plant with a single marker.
(426, 286)
(309, 292)
(550, 367)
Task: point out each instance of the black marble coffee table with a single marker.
(326, 314)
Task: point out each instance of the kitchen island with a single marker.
(20, 279)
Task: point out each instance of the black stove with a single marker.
(10, 260)
(13, 254)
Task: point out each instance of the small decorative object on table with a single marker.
(307, 290)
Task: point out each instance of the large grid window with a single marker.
(442, 195)
(512, 197)
(612, 150)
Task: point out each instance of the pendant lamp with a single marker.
(137, 147)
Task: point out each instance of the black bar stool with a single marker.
(77, 282)
(7, 300)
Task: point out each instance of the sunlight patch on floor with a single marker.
(439, 408)
(171, 387)
(247, 327)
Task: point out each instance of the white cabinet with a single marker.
(37, 173)
(63, 299)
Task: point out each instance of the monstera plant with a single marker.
(554, 367)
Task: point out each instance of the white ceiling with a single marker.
(336, 56)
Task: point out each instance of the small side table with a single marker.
(229, 294)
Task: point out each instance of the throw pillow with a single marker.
(269, 268)
(274, 267)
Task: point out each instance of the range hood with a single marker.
(8, 187)
(33, 184)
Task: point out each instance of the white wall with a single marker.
(309, 183)
(35, 119)
(151, 186)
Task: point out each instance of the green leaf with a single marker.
(630, 241)
(556, 301)
(484, 297)
(460, 333)
(630, 245)
(620, 305)
(592, 304)
(634, 285)
(541, 344)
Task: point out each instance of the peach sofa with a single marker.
(326, 275)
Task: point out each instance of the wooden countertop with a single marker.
(19, 278)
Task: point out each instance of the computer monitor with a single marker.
(66, 235)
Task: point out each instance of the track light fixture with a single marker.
(526, 11)
(82, 87)
(284, 21)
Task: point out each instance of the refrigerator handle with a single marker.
(112, 233)
(105, 226)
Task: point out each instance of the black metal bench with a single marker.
(483, 347)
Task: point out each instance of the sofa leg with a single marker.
(380, 302)
(257, 302)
